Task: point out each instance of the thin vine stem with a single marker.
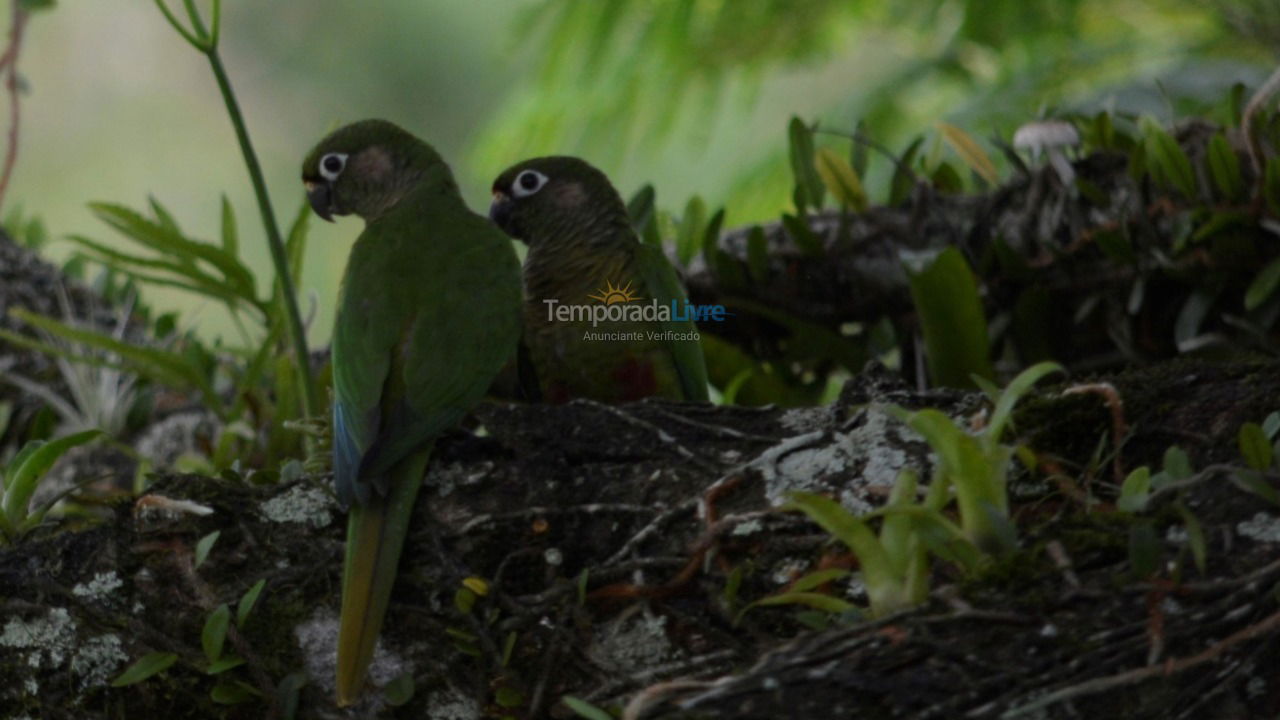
(206, 41)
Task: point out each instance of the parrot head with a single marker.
(538, 197)
(365, 168)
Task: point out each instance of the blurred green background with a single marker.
(691, 95)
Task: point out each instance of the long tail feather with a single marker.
(375, 535)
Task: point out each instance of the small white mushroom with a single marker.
(1049, 136)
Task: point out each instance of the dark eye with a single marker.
(331, 165)
(527, 183)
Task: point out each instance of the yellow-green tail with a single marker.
(375, 535)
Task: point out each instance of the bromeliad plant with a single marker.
(974, 467)
(259, 391)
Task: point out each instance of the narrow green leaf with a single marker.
(508, 697)
(247, 602)
(970, 151)
(233, 692)
(1010, 396)
(163, 216)
(1254, 482)
(904, 180)
(1224, 168)
(1195, 536)
(951, 316)
(204, 545)
(230, 235)
(804, 238)
(215, 632)
(840, 179)
(223, 664)
(145, 667)
(1167, 160)
(689, 232)
(584, 709)
(1254, 446)
(1263, 285)
(287, 692)
(806, 175)
(21, 483)
(172, 244)
(859, 156)
(818, 601)
(818, 578)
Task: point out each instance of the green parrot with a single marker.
(584, 251)
(428, 312)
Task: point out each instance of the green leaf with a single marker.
(215, 632)
(858, 156)
(145, 667)
(223, 664)
(172, 244)
(1134, 490)
(819, 601)
(1176, 463)
(1263, 285)
(1254, 482)
(30, 465)
(400, 690)
(951, 316)
(839, 177)
(1166, 159)
(233, 692)
(884, 585)
(818, 578)
(1195, 536)
(204, 545)
(1254, 446)
(802, 151)
(508, 647)
(163, 216)
(689, 232)
(464, 600)
(247, 602)
(904, 180)
(970, 151)
(584, 709)
(287, 692)
(1010, 396)
(230, 236)
(1271, 425)
(804, 238)
(1224, 168)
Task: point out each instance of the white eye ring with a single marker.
(527, 183)
(332, 165)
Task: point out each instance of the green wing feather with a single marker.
(661, 282)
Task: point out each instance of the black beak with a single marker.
(500, 212)
(320, 195)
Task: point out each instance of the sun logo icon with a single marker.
(612, 294)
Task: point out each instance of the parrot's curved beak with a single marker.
(500, 212)
(320, 195)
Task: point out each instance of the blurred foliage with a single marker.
(665, 79)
